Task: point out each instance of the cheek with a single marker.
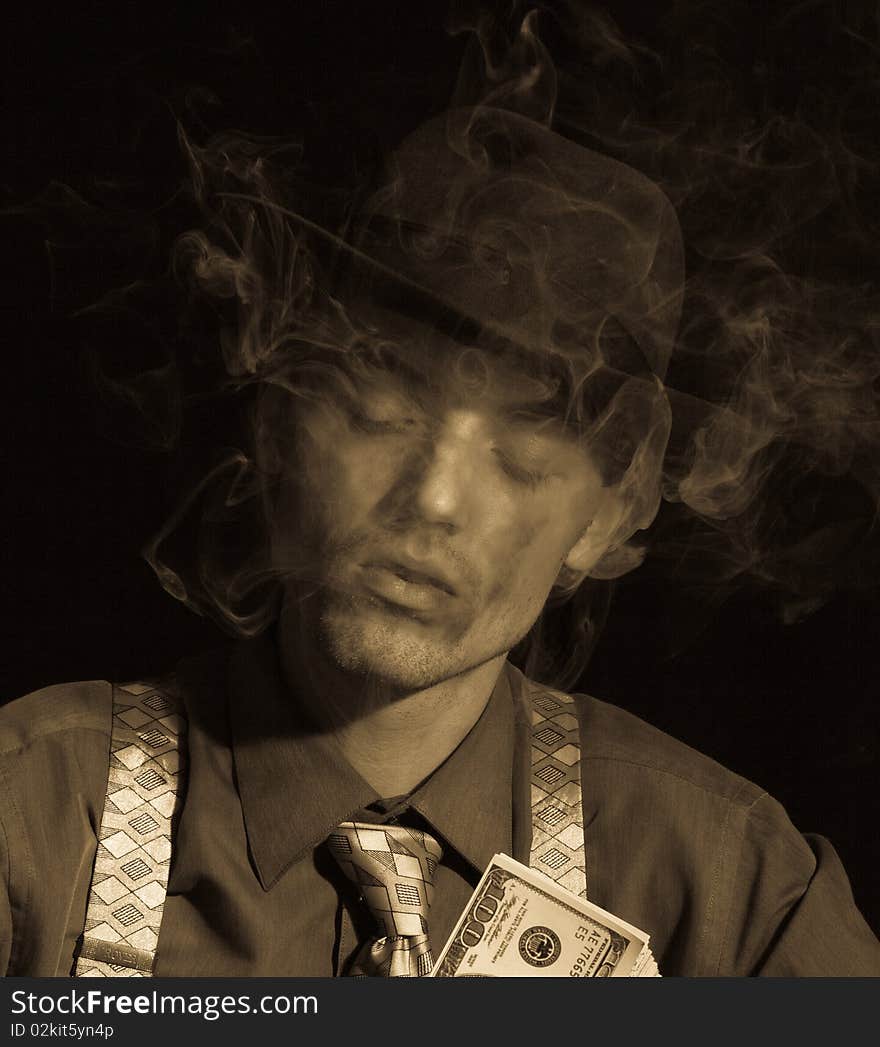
(526, 557)
(345, 479)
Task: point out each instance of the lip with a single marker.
(405, 587)
(416, 572)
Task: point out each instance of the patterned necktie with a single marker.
(394, 869)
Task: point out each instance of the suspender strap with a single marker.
(557, 810)
(144, 792)
(130, 876)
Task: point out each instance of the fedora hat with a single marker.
(494, 224)
(497, 232)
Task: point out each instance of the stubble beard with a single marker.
(399, 652)
(385, 648)
(382, 646)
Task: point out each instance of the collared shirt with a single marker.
(253, 890)
(265, 793)
(703, 860)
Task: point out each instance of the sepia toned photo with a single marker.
(444, 473)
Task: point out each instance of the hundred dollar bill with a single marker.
(519, 923)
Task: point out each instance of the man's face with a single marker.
(437, 515)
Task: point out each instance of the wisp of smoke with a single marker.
(756, 438)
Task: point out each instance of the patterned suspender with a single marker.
(557, 809)
(130, 877)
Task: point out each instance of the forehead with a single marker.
(398, 355)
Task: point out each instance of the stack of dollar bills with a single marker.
(520, 924)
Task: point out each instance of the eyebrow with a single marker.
(421, 385)
(529, 414)
(410, 379)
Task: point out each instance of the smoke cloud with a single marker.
(753, 431)
(773, 463)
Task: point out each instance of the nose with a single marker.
(440, 487)
(438, 484)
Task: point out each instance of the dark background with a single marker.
(91, 91)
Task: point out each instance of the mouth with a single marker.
(406, 586)
(411, 573)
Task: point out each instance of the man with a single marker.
(470, 425)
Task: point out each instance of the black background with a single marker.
(88, 90)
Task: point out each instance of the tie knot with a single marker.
(394, 869)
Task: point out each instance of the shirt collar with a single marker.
(296, 786)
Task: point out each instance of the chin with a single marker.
(394, 651)
(384, 655)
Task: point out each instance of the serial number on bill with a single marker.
(60, 1030)
(592, 940)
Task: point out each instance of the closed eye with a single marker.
(380, 426)
(527, 477)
